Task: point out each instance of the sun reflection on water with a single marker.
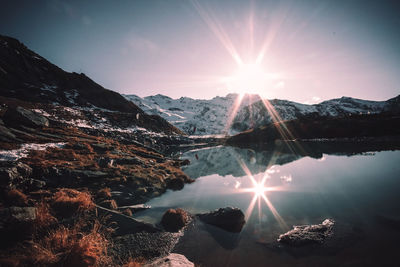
(259, 189)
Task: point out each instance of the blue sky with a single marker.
(312, 50)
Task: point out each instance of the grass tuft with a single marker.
(67, 201)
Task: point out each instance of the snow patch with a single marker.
(16, 154)
(71, 96)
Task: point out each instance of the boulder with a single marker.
(16, 223)
(6, 135)
(308, 234)
(172, 260)
(21, 116)
(229, 219)
(105, 162)
(13, 174)
(175, 219)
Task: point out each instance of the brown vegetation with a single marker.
(44, 218)
(71, 247)
(14, 197)
(175, 219)
(67, 201)
(104, 193)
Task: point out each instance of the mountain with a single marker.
(320, 128)
(205, 117)
(257, 115)
(194, 116)
(27, 76)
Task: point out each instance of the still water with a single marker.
(360, 191)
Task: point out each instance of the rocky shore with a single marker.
(68, 192)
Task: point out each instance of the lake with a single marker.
(360, 190)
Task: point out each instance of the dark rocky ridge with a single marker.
(358, 126)
(27, 76)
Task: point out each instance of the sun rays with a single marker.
(259, 189)
(253, 77)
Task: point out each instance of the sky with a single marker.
(304, 50)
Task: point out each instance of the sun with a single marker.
(259, 189)
(248, 78)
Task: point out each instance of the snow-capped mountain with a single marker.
(257, 114)
(204, 117)
(194, 116)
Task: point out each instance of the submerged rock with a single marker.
(308, 234)
(175, 219)
(172, 260)
(229, 219)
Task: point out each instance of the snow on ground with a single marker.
(50, 88)
(16, 154)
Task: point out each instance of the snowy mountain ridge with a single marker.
(257, 114)
(193, 116)
(204, 117)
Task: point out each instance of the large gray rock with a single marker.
(16, 223)
(308, 234)
(13, 174)
(229, 219)
(21, 116)
(6, 135)
(172, 260)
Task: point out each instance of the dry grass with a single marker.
(43, 216)
(67, 201)
(127, 212)
(71, 247)
(15, 197)
(104, 193)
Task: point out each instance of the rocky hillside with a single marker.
(317, 128)
(257, 115)
(27, 76)
(75, 160)
(194, 116)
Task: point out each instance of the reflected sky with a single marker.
(354, 190)
(295, 189)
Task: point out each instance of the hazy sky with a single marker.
(312, 50)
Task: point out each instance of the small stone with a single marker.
(175, 219)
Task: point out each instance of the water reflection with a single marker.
(359, 192)
(223, 160)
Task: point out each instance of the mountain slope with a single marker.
(257, 115)
(202, 117)
(193, 116)
(27, 76)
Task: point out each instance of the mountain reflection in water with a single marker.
(224, 160)
(354, 183)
